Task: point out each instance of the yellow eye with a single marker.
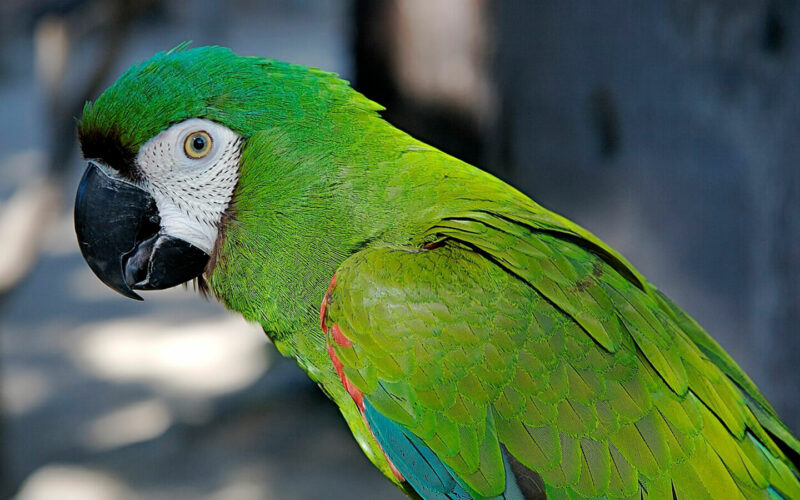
(197, 144)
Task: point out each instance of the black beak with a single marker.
(119, 233)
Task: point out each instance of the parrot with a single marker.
(477, 344)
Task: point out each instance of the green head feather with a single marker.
(246, 94)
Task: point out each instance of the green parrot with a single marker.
(477, 344)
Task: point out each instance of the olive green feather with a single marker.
(615, 402)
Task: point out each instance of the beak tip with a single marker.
(121, 287)
(132, 295)
(108, 216)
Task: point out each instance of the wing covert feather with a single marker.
(585, 373)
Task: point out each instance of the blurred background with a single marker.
(670, 128)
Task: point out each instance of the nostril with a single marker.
(136, 263)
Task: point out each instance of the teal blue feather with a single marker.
(423, 470)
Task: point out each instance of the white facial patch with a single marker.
(191, 192)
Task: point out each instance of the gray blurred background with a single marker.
(670, 128)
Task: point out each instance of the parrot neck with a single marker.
(302, 206)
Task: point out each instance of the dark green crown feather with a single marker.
(246, 94)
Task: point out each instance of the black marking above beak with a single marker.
(120, 237)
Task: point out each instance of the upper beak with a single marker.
(120, 237)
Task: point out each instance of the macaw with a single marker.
(477, 344)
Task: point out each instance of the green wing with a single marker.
(518, 328)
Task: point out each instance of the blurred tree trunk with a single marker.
(428, 63)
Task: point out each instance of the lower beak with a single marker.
(120, 237)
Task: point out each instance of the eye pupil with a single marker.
(197, 145)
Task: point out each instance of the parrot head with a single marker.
(148, 219)
(164, 146)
